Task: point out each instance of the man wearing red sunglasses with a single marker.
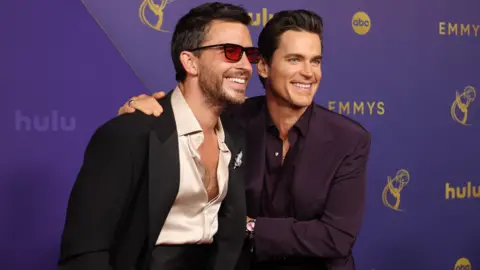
(162, 193)
(306, 165)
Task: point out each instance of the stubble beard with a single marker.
(211, 86)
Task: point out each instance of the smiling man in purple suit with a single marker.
(306, 165)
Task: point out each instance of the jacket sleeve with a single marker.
(333, 234)
(96, 202)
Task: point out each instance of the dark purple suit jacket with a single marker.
(328, 189)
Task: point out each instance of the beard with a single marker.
(211, 84)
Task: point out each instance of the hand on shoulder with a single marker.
(144, 103)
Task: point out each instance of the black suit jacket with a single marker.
(327, 191)
(125, 189)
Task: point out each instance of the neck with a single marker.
(206, 114)
(283, 114)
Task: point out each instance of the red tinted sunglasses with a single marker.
(234, 52)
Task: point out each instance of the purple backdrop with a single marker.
(397, 68)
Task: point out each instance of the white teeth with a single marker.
(301, 85)
(237, 80)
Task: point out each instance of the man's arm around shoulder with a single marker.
(98, 197)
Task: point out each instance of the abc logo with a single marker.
(463, 264)
(361, 23)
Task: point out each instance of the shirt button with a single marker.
(276, 154)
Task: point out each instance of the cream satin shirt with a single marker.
(192, 218)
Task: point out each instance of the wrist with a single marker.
(250, 233)
(250, 225)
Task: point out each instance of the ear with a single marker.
(262, 68)
(189, 63)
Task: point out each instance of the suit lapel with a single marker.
(255, 158)
(312, 162)
(231, 134)
(235, 141)
(231, 216)
(163, 168)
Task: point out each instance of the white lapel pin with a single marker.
(238, 160)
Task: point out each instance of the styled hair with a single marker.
(295, 20)
(192, 28)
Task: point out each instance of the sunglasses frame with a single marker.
(226, 46)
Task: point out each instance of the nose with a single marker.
(307, 70)
(244, 63)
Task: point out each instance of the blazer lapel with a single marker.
(163, 169)
(312, 161)
(234, 139)
(231, 217)
(233, 136)
(255, 158)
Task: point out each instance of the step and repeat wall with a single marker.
(409, 71)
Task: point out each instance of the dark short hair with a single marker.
(191, 29)
(296, 20)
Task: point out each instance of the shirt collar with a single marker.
(186, 121)
(184, 117)
(301, 125)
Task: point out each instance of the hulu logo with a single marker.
(260, 18)
(467, 191)
(44, 123)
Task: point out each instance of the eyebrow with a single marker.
(317, 57)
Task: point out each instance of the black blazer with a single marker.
(125, 189)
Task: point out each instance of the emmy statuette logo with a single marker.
(151, 13)
(459, 108)
(391, 192)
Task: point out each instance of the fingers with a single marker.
(141, 97)
(126, 108)
(147, 104)
(158, 95)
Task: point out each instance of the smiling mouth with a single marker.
(237, 80)
(303, 85)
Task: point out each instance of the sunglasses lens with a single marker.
(253, 55)
(233, 52)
